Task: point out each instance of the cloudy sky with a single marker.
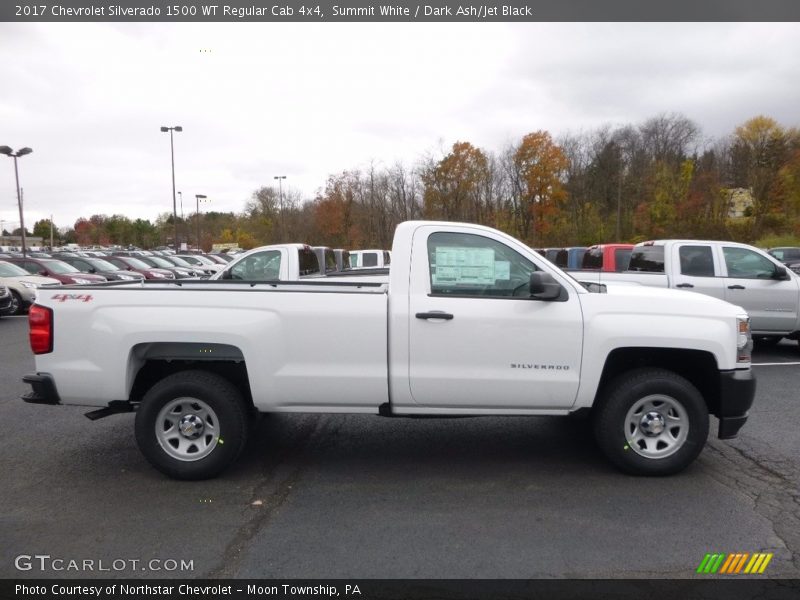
(307, 100)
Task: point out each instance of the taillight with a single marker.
(40, 319)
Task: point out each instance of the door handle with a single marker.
(736, 287)
(684, 285)
(434, 315)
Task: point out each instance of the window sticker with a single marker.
(471, 266)
(502, 270)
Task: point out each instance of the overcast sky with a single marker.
(307, 100)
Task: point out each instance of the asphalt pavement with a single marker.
(342, 496)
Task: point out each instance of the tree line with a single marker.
(660, 178)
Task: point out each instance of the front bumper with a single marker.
(44, 389)
(737, 390)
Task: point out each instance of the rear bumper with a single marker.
(737, 390)
(44, 389)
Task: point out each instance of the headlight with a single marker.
(81, 281)
(127, 277)
(28, 285)
(744, 341)
(158, 275)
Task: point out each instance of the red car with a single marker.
(130, 263)
(608, 258)
(57, 269)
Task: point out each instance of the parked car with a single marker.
(369, 258)
(130, 263)
(469, 321)
(159, 262)
(788, 255)
(326, 259)
(282, 262)
(610, 258)
(179, 262)
(217, 259)
(56, 269)
(99, 266)
(22, 286)
(342, 259)
(208, 266)
(740, 274)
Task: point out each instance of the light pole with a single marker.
(197, 198)
(21, 152)
(177, 128)
(280, 179)
(182, 221)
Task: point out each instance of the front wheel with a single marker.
(17, 305)
(192, 425)
(651, 422)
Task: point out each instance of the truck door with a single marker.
(476, 338)
(752, 282)
(697, 270)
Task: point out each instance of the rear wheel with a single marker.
(651, 422)
(192, 425)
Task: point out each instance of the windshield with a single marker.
(62, 268)
(9, 270)
(136, 263)
(160, 262)
(175, 260)
(192, 260)
(205, 261)
(102, 265)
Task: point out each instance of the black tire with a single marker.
(216, 413)
(766, 341)
(683, 422)
(18, 306)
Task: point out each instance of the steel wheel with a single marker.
(187, 429)
(656, 426)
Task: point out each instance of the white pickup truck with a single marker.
(469, 321)
(737, 273)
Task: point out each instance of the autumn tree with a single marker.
(455, 186)
(539, 166)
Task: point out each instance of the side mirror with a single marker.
(543, 286)
(226, 275)
(92, 270)
(43, 272)
(780, 274)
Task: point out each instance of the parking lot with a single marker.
(338, 496)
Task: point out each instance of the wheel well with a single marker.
(697, 366)
(150, 363)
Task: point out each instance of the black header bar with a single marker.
(333, 11)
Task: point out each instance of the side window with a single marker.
(464, 264)
(262, 266)
(647, 259)
(593, 259)
(622, 257)
(31, 267)
(370, 259)
(746, 264)
(309, 265)
(330, 261)
(353, 260)
(562, 258)
(696, 261)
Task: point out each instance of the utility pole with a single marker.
(51, 232)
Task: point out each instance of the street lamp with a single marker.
(21, 152)
(280, 179)
(197, 198)
(177, 128)
(182, 221)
